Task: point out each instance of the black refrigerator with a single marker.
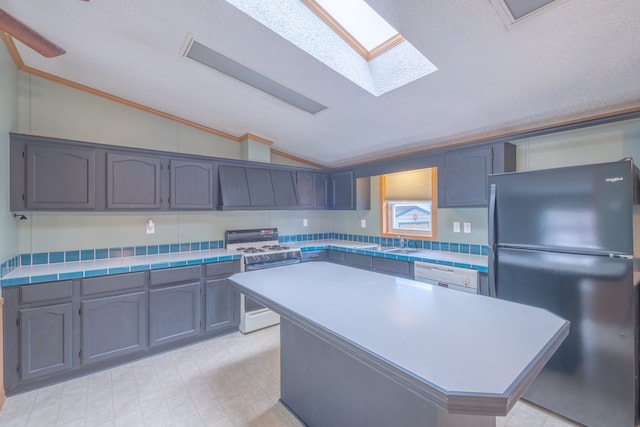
(563, 239)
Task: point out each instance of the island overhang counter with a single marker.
(364, 348)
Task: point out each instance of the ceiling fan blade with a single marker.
(29, 37)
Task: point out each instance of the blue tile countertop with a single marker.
(99, 267)
(37, 273)
(475, 262)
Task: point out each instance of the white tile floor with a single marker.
(227, 381)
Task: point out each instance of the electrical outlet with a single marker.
(363, 223)
(151, 227)
(305, 223)
(467, 227)
(456, 226)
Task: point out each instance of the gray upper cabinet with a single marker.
(342, 190)
(192, 185)
(234, 188)
(312, 190)
(284, 189)
(60, 178)
(133, 181)
(243, 187)
(261, 193)
(321, 191)
(45, 340)
(465, 176)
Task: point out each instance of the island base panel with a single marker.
(324, 386)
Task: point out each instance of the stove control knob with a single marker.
(265, 258)
(466, 281)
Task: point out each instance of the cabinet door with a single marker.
(466, 174)
(192, 185)
(342, 190)
(174, 313)
(60, 178)
(133, 182)
(234, 188)
(321, 191)
(393, 267)
(305, 185)
(260, 187)
(222, 305)
(45, 340)
(113, 326)
(284, 189)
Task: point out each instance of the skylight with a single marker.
(358, 24)
(388, 66)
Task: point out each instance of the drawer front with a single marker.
(116, 282)
(174, 275)
(225, 268)
(45, 292)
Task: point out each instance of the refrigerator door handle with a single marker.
(492, 241)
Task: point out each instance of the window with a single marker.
(358, 24)
(409, 204)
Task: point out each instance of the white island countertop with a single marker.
(467, 353)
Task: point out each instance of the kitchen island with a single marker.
(360, 348)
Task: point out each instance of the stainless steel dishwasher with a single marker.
(461, 279)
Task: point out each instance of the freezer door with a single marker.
(587, 209)
(592, 376)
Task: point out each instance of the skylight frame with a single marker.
(339, 29)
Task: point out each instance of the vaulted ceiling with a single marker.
(576, 60)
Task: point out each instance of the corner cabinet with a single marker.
(464, 180)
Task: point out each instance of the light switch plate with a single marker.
(150, 226)
(456, 226)
(305, 223)
(363, 223)
(467, 227)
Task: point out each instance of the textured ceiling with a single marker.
(578, 59)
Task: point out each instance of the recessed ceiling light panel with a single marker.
(209, 57)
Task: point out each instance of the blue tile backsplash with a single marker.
(104, 253)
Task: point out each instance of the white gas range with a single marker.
(260, 249)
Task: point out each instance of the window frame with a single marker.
(386, 229)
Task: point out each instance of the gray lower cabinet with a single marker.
(59, 330)
(174, 313)
(320, 255)
(45, 340)
(113, 326)
(393, 267)
(222, 305)
(390, 266)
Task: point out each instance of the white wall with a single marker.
(8, 120)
